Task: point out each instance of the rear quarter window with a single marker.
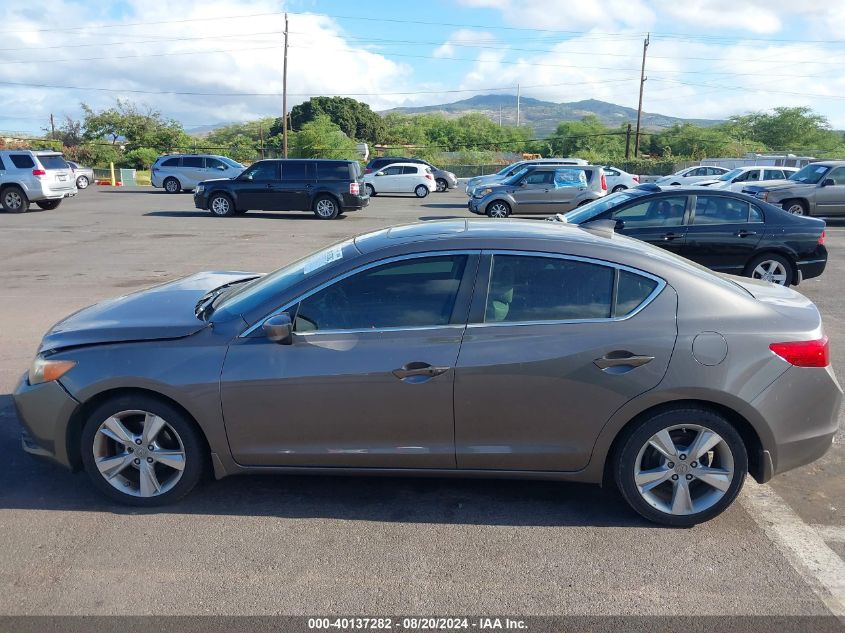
(22, 161)
(631, 292)
(333, 171)
(171, 162)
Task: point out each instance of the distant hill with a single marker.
(544, 116)
(204, 130)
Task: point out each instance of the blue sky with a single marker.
(210, 61)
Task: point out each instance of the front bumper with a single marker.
(474, 206)
(45, 412)
(200, 200)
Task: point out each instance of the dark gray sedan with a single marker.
(461, 347)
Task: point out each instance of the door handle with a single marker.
(621, 359)
(744, 233)
(420, 370)
(672, 236)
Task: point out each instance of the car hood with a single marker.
(774, 185)
(160, 312)
(213, 180)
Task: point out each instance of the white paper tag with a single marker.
(323, 259)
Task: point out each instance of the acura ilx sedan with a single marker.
(463, 347)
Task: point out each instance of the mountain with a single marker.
(544, 116)
(205, 130)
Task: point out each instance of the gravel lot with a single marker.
(293, 545)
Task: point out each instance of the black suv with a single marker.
(326, 187)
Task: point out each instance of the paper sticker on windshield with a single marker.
(323, 259)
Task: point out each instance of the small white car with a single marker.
(617, 180)
(692, 175)
(401, 178)
(738, 178)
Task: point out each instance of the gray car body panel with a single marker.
(820, 200)
(750, 381)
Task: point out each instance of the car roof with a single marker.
(829, 163)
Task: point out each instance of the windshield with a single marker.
(810, 175)
(597, 207)
(232, 163)
(244, 298)
(733, 173)
(504, 171)
(513, 179)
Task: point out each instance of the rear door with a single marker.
(660, 221)
(192, 172)
(554, 347)
(411, 177)
(293, 192)
(569, 185)
(723, 233)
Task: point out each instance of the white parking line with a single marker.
(802, 546)
(835, 533)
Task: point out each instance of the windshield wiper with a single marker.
(205, 305)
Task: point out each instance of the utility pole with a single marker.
(285, 93)
(640, 106)
(628, 142)
(261, 136)
(517, 105)
(52, 128)
(500, 116)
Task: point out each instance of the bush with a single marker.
(141, 158)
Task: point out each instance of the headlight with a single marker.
(199, 189)
(481, 192)
(43, 370)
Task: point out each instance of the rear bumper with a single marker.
(801, 409)
(814, 267)
(351, 202)
(44, 411)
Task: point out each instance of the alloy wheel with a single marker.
(220, 205)
(770, 270)
(441, 185)
(13, 200)
(171, 186)
(497, 210)
(139, 453)
(325, 208)
(684, 469)
(796, 209)
(81, 182)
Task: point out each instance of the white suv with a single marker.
(177, 172)
(40, 177)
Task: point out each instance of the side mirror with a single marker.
(221, 167)
(279, 329)
(523, 183)
(827, 182)
(620, 224)
(379, 173)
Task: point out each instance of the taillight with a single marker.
(821, 239)
(429, 176)
(603, 183)
(39, 172)
(635, 178)
(354, 188)
(804, 353)
(367, 170)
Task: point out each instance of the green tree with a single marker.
(587, 137)
(140, 158)
(136, 127)
(787, 129)
(354, 118)
(321, 138)
(244, 141)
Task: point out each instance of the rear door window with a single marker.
(22, 161)
(332, 171)
(720, 210)
(772, 174)
(631, 291)
(410, 169)
(192, 162)
(295, 170)
(213, 163)
(667, 211)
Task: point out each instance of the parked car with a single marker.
(326, 187)
(540, 189)
(619, 180)
(722, 230)
(443, 179)
(413, 178)
(180, 172)
(83, 176)
(375, 355)
(41, 177)
(737, 179)
(817, 189)
(691, 175)
(508, 171)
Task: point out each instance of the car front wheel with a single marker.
(221, 205)
(681, 467)
(141, 451)
(796, 207)
(619, 188)
(498, 209)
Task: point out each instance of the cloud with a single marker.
(606, 15)
(464, 38)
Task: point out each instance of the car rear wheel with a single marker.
(442, 185)
(221, 205)
(82, 182)
(421, 191)
(371, 191)
(619, 188)
(326, 208)
(498, 209)
(771, 267)
(48, 205)
(14, 200)
(796, 207)
(142, 451)
(171, 185)
(681, 467)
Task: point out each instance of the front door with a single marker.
(257, 188)
(392, 180)
(723, 233)
(830, 199)
(532, 193)
(659, 221)
(551, 357)
(367, 380)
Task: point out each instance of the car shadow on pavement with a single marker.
(444, 205)
(275, 215)
(33, 483)
(429, 218)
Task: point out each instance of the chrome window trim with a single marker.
(661, 284)
(354, 271)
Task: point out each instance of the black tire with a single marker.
(221, 205)
(371, 191)
(49, 205)
(421, 191)
(326, 208)
(771, 261)
(196, 453)
(14, 200)
(796, 207)
(82, 182)
(498, 209)
(172, 185)
(676, 183)
(640, 433)
(618, 188)
(442, 185)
